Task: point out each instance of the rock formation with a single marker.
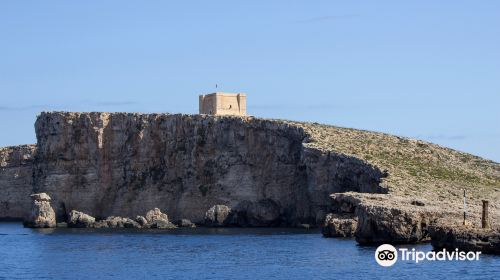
(141, 220)
(116, 222)
(336, 225)
(269, 172)
(382, 218)
(185, 223)
(16, 168)
(80, 220)
(124, 164)
(218, 215)
(156, 215)
(156, 219)
(465, 238)
(42, 214)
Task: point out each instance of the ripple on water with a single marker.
(207, 254)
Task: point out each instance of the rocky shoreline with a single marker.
(43, 216)
(379, 219)
(369, 218)
(382, 218)
(466, 238)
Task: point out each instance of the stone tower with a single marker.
(221, 103)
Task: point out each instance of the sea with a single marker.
(210, 253)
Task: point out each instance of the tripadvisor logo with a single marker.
(387, 255)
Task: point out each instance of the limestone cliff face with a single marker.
(125, 164)
(16, 181)
(329, 172)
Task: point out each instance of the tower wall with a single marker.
(220, 103)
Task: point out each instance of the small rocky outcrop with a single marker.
(338, 225)
(465, 239)
(161, 224)
(78, 219)
(218, 215)
(42, 215)
(117, 222)
(383, 218)
(156, 219)
(156, 215)
(185, 223)
(378, 224)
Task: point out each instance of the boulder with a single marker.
(42, 215)
(141, 220)
(114, 222)
(100, 224)
(161, 224)
(155, 219)
(117, 222)
(129, 223)
(78, 219)
(185, 223)
(338, 225)
(217, 215)
(156, 215)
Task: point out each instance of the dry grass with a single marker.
(416, 168)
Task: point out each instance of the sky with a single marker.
(422, 69)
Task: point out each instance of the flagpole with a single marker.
(465, 209)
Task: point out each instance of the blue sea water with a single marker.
(209, 254)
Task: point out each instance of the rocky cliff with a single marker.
(269, 172)
(16, 167)
(124, 164)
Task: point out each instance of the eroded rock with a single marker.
(141, 220)
(336, 225)
(218, 215)
(42, 215)
(187, 164)
(156, 219)
(16, 181)
(383, 224)
(465, 239)
(78, 219)
(156, 215)
(117, 222)
(185, 223)
(385, 218)
(161, 224)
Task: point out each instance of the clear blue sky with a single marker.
(423, 69)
